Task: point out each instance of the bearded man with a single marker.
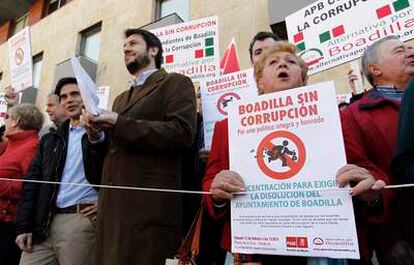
(151, 124)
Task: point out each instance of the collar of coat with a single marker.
(149, 85)
(141, 78)
(374, 99)
(63, 129)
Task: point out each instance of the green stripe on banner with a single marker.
(400, 5)
(209, 41)
(324, 36)
(209, 52)
(301, 46)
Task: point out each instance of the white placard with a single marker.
(330, 32)
(20, 60)
(218, 93)
(3, 108)
(87, 87)
(343, 98)
(191, 48)
(359, 84)
(288, 146)
(103, 95)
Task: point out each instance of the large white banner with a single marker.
(191, 48)
(20, 60)
(288, 146)
(331, 32)
(217, 94)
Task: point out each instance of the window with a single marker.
(29, 95)
(90, 41)
(280, 30)
(20, 24)
(166, 7)
(37, 67)
(54, 5)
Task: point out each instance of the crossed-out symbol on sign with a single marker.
(289, 150)
(224, 101)
(19, 56)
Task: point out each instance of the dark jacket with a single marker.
(155, 125)
(35, 210)
(369, 127)
(403, 162)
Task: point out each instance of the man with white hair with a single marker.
(370, 134)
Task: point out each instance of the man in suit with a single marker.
(151, 124)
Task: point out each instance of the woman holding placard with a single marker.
(278, 69)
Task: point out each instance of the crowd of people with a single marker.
(153, 138)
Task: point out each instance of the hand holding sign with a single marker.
(367, 187)
(224, 184)
(105, 120)
(11, 97)
(94, 133)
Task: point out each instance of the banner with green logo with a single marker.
(191, 48)
(331, 32)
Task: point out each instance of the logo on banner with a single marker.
(386, 10)
(299, 41)
(296, 242)
(311, 56)
(318, 241)
(331, 34)
(224, 101)
(168, 59)
(281, 155)
(19, 56)
(207, 50)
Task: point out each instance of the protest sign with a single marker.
(329, 33)
(20, 60)
(191, 48)
(288, 146)
(218, 93)
(343, 98)
(103, 95)
(3, 109)
(87, 87)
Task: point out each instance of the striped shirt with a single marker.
(390, 92)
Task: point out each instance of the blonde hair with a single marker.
(29, 116)
(279, 46)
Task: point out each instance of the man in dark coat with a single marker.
(403, 162)
(151, 124)
(55, 224)
(369, 127)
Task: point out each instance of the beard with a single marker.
(140, 62)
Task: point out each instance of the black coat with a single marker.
(35, 209)
(155, 125)
(403, 162)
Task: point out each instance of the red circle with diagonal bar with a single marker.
(224, 100)
(294, 165)
(19, 56)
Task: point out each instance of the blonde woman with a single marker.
(278, 69)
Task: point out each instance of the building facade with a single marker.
(93, 29)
